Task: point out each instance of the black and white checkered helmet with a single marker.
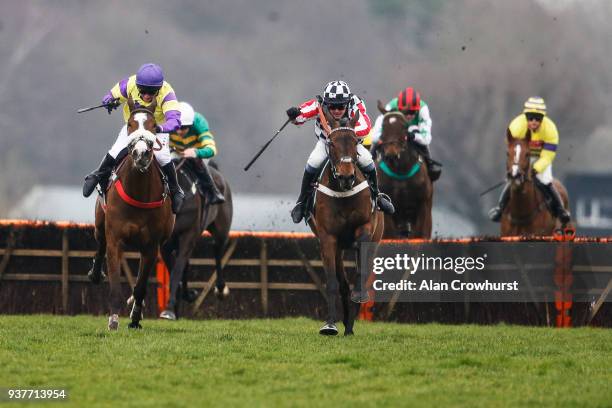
(336, 92)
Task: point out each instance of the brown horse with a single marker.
(344, 218)
(403, 175)
(196, 215)
(137, 214)
(527, 212)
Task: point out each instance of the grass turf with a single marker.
(287, 363)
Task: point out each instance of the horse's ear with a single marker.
(381, 107)
(130, 103)
(354, 120)
(509, 136)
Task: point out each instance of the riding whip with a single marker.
(104, 105)
(501, 183)
(266, 145)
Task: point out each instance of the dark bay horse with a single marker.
(403, 176)
(137, 214)
(527, 212)
(344, 217)
(196, 216)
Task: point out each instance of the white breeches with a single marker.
(545, 177)
(319, 155)
(162, 156)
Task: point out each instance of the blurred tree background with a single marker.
(242, 63)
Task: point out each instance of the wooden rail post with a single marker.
(65, 271)
(264, 276)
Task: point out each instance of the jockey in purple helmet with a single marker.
(147, 86)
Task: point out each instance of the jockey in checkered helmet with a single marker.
(341, 103)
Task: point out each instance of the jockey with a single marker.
(418, 129)
(194, 141)
(146, 86)
(543, 148)
(341, 103)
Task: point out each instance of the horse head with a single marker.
(517, 163)
(394, 139)
(141, 130)
(342, 149)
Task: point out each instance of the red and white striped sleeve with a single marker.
(362, 129)
(308, 111)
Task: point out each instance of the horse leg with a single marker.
(345, 293)
(328, 245)
(148, 258)
(113, 262)
(221, 237)
(185, 248)
(169, 257)
(96, 274)
(363, 234)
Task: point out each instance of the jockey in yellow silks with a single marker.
(543, 149)
(145, 88)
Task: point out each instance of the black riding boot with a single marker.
(496, 212)
(99, 176)
(383, 202)
(175, 190)
(557, 208)
(308, 180)
(207, 182)
(433, 167)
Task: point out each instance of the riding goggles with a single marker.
(148, 90)
(534, 116)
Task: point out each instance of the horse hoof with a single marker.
(329, 329)
(222, 294)
(134, 325)
(168, 315)
(113, 322)
(360, 297)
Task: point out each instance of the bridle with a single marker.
(344, 159)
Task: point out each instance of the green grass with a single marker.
(287, 363)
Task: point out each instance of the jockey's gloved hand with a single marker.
(111, 102)
(412, 136)
(293, 112)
